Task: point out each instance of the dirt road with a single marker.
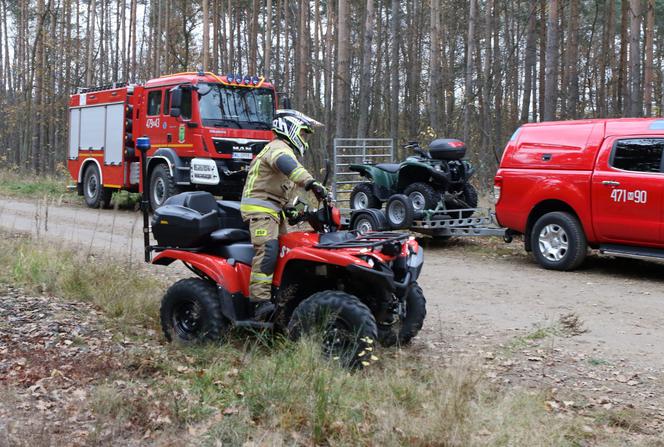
(475, 289)
(486, 300)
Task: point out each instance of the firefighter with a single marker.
(271, 179)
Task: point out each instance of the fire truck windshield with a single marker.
(237, 107)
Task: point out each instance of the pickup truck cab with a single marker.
(570, 185)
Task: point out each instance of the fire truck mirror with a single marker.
(176, 100)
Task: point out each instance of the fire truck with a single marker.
(205, 130)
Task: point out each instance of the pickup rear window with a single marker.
(639, 154)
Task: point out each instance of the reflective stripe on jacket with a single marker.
(271, 178)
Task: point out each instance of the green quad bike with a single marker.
(433, 179)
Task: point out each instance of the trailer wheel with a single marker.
(162, 186)
(93, 191)
(191, 313)
(365, 223)
(558, 241)
(399, 211)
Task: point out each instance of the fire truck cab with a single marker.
(205, 129)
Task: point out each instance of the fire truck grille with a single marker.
(239, 151)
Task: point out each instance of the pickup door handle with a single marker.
(610, 183)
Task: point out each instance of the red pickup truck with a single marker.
(570, 185)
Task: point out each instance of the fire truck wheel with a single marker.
(93, 191)
(558, 241)
(191, 313)
(162, 186)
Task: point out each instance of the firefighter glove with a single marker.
(292, 215)
(318, 189)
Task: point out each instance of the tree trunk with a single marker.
(267, 69)
(470, 51)
(529, 64)
(435, 68)
(648, 69)
(365, 76)
(394, 66)
(91, 43)
(343, 71)
(635, 57)
(572, 66)
(551, 74)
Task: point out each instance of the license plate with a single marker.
(242, 155)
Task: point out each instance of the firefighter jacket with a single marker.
(271, 179)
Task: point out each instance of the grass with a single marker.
(267, 390)
(121, 291)
(25, 185)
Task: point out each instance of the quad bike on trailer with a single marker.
(355, 289)
(433, 179)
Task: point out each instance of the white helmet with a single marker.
(290, 124)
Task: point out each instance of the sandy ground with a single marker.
(486, 299)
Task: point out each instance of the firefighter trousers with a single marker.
(265, 230)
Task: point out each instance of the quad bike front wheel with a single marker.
(191, 313)
(346, 327)
(409, 323)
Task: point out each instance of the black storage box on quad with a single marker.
(186, 220)
(447, 149)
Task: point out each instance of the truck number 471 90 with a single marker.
(623, 196)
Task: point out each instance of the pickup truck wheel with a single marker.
(558, 241)
(162, 186)
(363, 197)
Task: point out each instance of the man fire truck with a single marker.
(205, 131)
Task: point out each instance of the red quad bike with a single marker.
(353, 288)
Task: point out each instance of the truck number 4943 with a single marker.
(623, 196)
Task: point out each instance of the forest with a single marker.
(406, 70)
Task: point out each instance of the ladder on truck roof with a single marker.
(349, 151)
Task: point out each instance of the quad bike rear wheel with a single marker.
(423, 196)
(402, 332)
(346, 326)
(191, 313)
(363, 197)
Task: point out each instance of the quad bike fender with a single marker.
(470, 169)
(378, 177)
(323, 257)
(412, 172)
(234, 279)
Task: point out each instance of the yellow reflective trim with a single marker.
(258, 209)
(112, 186)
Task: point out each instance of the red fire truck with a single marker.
(205, 130)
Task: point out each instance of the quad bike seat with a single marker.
(242, 252)
(227, 236)
(389, 167)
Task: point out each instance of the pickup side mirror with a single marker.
(176, 102)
